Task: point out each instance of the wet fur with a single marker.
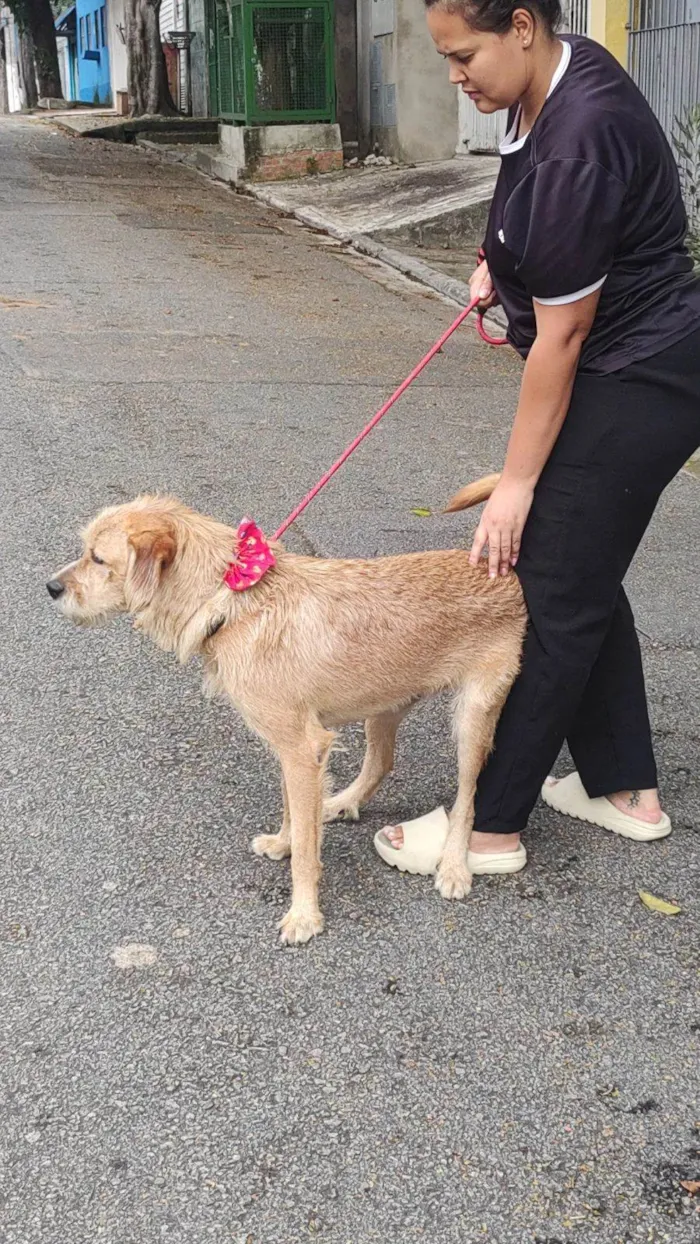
(317, 643)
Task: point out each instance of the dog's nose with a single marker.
(55, 588)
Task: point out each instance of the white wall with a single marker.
(117, 49)
(64, 66)
(413, 108)
(425, 102)
(168, 17)
(12, 67)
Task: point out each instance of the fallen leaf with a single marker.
(420, 511)
(658, 904)
(691, 1185)
(14, 304)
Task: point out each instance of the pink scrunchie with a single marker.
(254, 557)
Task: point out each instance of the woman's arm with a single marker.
(545, 392)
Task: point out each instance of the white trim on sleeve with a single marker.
(565, 298)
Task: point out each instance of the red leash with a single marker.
(254, 557)
(492, 341)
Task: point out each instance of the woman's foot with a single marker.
(418, 846)
(634, 814)
(480, 844)
(643, 805)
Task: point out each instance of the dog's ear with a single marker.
(152, 548)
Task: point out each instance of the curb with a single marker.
(449, 287)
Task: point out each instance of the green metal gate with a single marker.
(271, 62)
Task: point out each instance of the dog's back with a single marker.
(361, 636)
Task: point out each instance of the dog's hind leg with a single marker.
(276, 846)
(303, 766)
(477, 710)
(380, 733)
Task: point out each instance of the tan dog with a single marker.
(317, 643)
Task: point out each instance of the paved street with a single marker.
(520, 1067)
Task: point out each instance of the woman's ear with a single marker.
(523, 26)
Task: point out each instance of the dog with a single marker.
(314, 644)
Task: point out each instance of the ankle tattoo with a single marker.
(634, 799)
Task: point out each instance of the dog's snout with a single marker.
(55, 588)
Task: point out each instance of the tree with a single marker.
(27, 70)
(35, 18)
(149, 92)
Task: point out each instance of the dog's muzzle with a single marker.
(55, 588)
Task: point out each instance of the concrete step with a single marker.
(214, 164)
(171, 131)
(373, 201)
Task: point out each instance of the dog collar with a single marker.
(254, 558)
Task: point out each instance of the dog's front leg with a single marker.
(276, 846)
(303, 775)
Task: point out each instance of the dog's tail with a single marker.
(473, 494)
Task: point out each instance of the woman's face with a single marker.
(493, 70)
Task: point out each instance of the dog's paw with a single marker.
(274, 846)
(338, 809)
(453, 880)
(299, 926)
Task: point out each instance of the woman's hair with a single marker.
(496, 16)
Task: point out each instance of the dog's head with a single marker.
(127, 550)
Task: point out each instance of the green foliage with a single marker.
(686, 141)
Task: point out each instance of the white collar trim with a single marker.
(511, 143)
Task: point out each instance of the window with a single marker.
(88, 27)
(101, 15)
(83, 44)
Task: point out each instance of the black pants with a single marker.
(624, 438)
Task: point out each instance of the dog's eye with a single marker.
(98, 560)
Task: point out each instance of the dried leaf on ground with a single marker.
(691, 1186)
(658, 904)
(15, 304)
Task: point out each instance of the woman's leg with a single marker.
(624, 439)
(610, 739)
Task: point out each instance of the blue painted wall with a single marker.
(93, 53)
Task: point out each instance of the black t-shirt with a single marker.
(591, 198)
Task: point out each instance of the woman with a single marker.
(585, 250)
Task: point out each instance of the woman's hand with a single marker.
(501, 526)
(481, 287)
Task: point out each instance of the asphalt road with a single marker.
(519, 1067)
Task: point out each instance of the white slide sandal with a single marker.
(569, 796)
(424, 841)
